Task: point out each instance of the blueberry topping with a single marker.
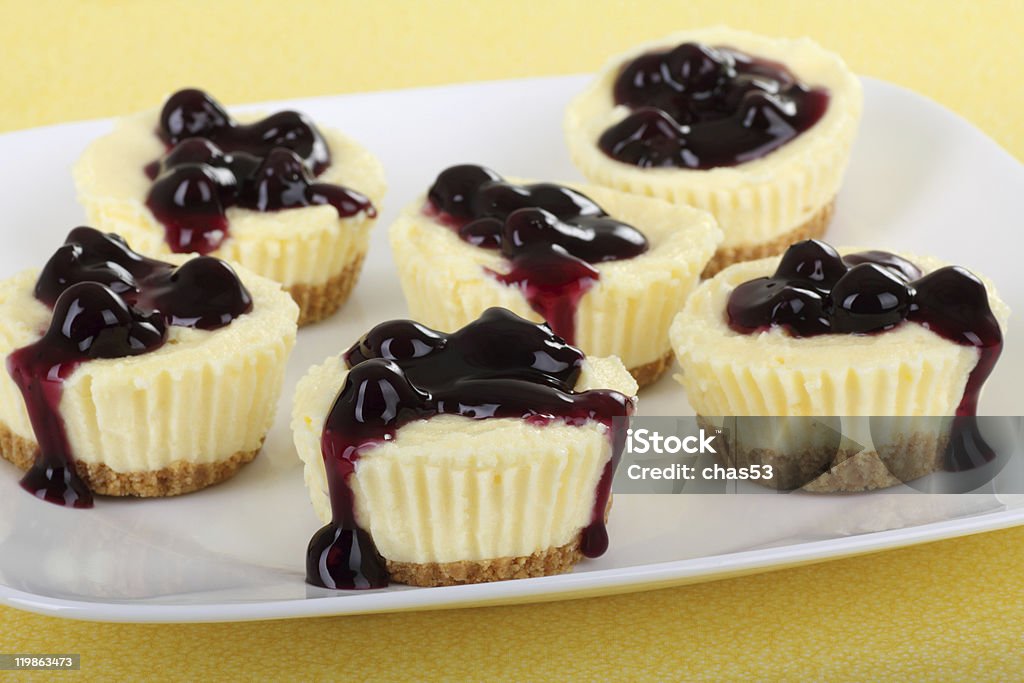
(861, 293)
(700, 107)
(551, 234)
(214, 163)
(498, 366)
(192, 113)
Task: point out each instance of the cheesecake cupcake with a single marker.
(606, 270)
(755, 130)
(129, 376)
(877, 361)
(288, 200)
(480, 455)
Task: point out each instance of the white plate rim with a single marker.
(561, 587)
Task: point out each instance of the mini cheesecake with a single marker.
(128, 376)
(607, 270)
(755, 130)
(867, 334)
(481, 455)
(278, 195)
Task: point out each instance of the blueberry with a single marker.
(695, 67)
(455, 187)
(897, 265)
(380, 394)
(954, 303)
(293, 131)
(500, 341)
(483, 232)
(763, 302)
(90, 256)
(765, 112)
(281, 181)
(191, 113)
(204, 293)
(869, 298)
(190, 190)
(640, 79)
(599, 238)
(97, 323)
(193, 151)
(591, 238)
(648, 138)
(100, 247)
(562, 201)
(811, 261)
(396, 340)
(530, 226)
(498, 200)
(801, 311)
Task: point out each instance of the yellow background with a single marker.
(946, 610)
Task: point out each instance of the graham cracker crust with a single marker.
(649, 372)
(317, 302)
(543, 563)
(178, 478)
(813, 228)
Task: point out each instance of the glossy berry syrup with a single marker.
(701, 107)
(551, 234)
(816, 291)
(108, 302)
(214, 163)
(497, 366)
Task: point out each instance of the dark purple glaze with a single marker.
(497, 366)
(815, 291)
(551, 234)
(702, 107)
(193, 113)
(214, 163)
(108, 302)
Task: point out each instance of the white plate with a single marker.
(922, 179)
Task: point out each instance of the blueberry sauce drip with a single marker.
(497, 366)
(214, 163)
(108, 302)
(700, 107)
(816, 291)
(551, 234)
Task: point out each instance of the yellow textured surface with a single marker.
(951, 610)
